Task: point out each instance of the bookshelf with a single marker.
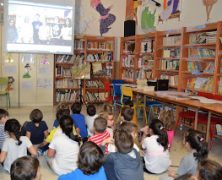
(99, 52)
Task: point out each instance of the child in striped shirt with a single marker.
(101, 136)
(3, 118)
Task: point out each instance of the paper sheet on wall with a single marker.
(44, 83)
(10, 69)
(26, 85)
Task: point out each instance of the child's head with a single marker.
(91, 110)
(130, 127)
(12, 126)
(209, 170)
(36, 116)
(196, 141)
(100, 124)
(157, 128)
(168, 119)
(25, 168)
(123, 141)
(76, 108)
(184, 177)
(3, 116)
(90, 158)
(108, 108)
(62, 112)
(66, 124)
(127, 114)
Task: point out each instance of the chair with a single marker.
(4, 90)
(107, 89)
(117, 92)
(152, 105)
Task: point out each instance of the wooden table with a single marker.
(195, 104)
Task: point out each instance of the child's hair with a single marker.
(90, 158)
(184, 177)
(62, 105)
(209, 170)
(62, 112)
(76, 108)
(100, 124)
(13, 126)
(168, 119)
(158, 129)
(197, 142)
(123, 141)
(66, 124)
(24, 168)
(127, 114)
(3, 113)
(36, 116)
(108, 108)
(128, 127)
(91, 110)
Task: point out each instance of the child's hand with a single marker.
(171, 173)
(107, 141)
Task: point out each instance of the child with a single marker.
(64, 149)
(91, 111)
(90, 163)
(37, 129)
(101, 134)
(3, 118)
(25, 168)
(61, 106)
(16, 145)
(209, 170)
(156, 155)
(125, 163)
(79, 120)
(197, 148)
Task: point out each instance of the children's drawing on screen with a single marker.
(106, 18)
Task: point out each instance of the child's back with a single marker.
(90, 117)
(3, 118)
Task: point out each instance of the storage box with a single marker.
(160, 84)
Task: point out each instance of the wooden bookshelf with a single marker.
(87, 49)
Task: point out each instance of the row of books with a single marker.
(93, 97)
(128, 74)
(65, 59)
(173, 80)
(67, 83)
(170, 65)
(196, 67)
(147, 46)
(201, 53)
(145, 63)
(143, 74)
(67, 96)
(79, 44)
(200, 84)
(171, 53)
(129, 47)
(203, 38)
(171, 40)
(95, 84)
(100, 57)
(64, 72)
(128, 61)
(95, 45)
(220, 87)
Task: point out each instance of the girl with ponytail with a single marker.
(16, 145)
(156, 148)
(64, 148)
(198, 151)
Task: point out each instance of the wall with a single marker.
(193, 13)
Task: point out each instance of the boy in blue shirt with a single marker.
(79, 120)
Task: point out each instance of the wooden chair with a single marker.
(4, 90)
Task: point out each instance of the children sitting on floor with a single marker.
(100, 134)
(79, 120)
(61, 106)
(25, 168)
(64, 148)
(16, 145)
(90, 164)
(90, 117)
(37, 129)
(156, 155)
(126, 162)
(3, 118)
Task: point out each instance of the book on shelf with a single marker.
(220, 87)
(209, 68)
(203, 38)
(64, 59)
(194, 67)
(78, 59)
(95, 45)
(94, 84)
(146, 62)
(128, 61)
(201, 53)
(67, 96)
(173, 80)
(143, 74)
(79, 44)
(170, 65)
(129, 47)
(67, 83)
(128, 74)
(147, 46)
(171, 53)
(200, 84)
(65, 72)
(102, 57)
(171, 40)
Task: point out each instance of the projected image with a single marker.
(36, 27)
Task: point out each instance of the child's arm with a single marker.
(46, 133)
(51, 153)
(32, 150)
(3, 156)
(28, 134)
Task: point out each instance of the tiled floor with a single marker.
(177, 151)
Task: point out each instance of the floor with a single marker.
(177, 151)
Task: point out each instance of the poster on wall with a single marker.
(209, 6)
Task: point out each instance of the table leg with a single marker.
(196, 119)
(208, 126)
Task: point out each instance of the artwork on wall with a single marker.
(209, 6)
(170, 10)
(106, 18)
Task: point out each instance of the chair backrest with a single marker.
(3, 83)
(117, 87)
(127, 94)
